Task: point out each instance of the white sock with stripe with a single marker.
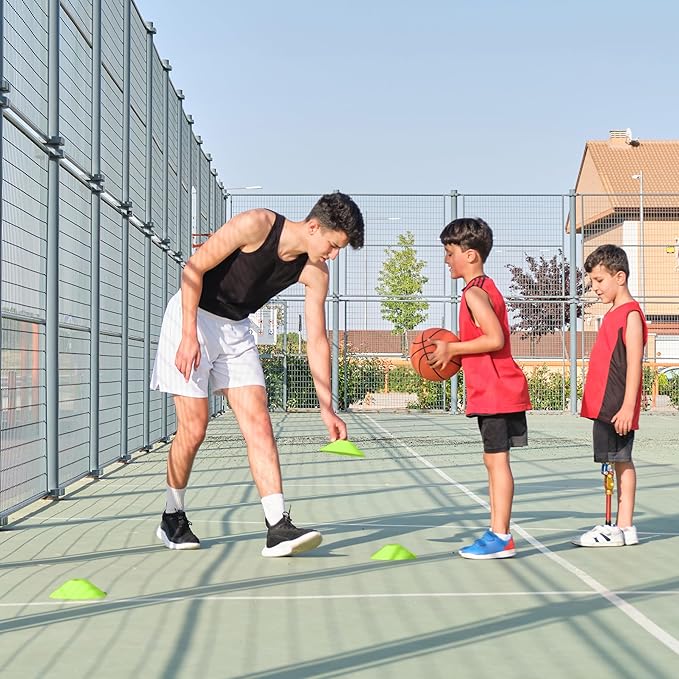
(174, 500)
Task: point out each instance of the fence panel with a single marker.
(27, 456)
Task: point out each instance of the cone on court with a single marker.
(393, 553)
(343, 448)
(77, 590)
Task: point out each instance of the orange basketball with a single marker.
(421, 348)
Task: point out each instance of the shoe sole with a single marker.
(160, 533)
(304, 543)
(498, 555)
(577, 543)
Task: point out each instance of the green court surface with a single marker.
(224, 611)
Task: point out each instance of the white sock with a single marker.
(274, 506)
(504, 536)
(174, 500)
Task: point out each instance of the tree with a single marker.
(401, 281)
(545, 289)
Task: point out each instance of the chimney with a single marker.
(622, 137)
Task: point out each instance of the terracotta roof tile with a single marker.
(608, 166)
(659, 161)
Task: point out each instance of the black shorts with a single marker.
(502, 432)
(609, 446)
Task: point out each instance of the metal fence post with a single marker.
(95, 240)
(454, 310)
(189, 143)
(148, 219)
(573, 304)
(4, 101)
(55, 144)
(335, 332)
(125, 239)
(166, 212)
(198, 178)
(285, 352)
(180, 171)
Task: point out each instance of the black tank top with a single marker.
(245, 281)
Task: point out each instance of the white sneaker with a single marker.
(630, 535)
(601, 536)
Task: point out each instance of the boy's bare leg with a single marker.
(501, 487)
(627, 486)
(249, 405)
(192, 417)
(490, 496)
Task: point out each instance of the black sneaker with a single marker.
(285, 539)
(174, 531)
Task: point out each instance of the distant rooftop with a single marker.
(608, 167)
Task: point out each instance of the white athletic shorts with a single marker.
(228, 354)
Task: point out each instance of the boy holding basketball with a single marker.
(497, 391)
(612, 395)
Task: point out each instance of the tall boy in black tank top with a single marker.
(205, 339)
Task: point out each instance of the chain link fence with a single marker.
(104, 184)
(536, 261)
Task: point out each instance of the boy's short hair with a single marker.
(611, 257)
(338, 212)
(470, 233)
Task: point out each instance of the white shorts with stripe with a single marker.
(228, 354)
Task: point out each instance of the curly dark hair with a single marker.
(338, 212)
(611, 257)
(470, 233)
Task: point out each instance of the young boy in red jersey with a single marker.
(612, 395)
(497, 391)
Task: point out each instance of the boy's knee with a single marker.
(193, 433)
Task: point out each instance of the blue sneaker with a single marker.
(489, 546)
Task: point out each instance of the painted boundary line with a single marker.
(630, 611)
(321, 597)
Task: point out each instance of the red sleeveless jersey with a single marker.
(495, 383)
(607, 372)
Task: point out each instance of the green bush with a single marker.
(430, 394)
(358, 376)
(669, 386)
(550, 390)
(272, 365)
(672, 390)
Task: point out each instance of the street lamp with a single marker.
(228, 194)
(642, 288)
(242, 188)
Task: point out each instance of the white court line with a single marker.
(630, 611)
(325, 597)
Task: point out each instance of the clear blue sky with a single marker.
(419, 96)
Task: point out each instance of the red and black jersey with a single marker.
(607, 372)
(495, 383)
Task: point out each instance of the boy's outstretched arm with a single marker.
(315, 279)
(634, 343)
(491, 339)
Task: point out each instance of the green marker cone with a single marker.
(77, 590)
(393, 553)
(343, 448)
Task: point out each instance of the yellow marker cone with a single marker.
(393, 553)
(77, 590)
(343, 448)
